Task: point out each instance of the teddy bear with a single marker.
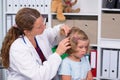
(60, 6)
(57, 7)
(68, 6)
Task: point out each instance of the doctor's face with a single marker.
(38, 26)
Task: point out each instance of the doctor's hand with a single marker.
(65, 29)
(63, 46)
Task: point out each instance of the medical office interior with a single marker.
(100, 19)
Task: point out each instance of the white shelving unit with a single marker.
(12, 6)
(90, 19)
(109, 39)
(92, 13)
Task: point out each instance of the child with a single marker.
(76, 66)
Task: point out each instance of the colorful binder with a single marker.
(93, 62)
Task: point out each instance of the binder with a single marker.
(42, 6)
(28, 3)
(119, 66)
(9, 5)
(16, 5)
(9, 22)
(113, 63)
(46, 6)
(118, 4)
(33, 4)
(13, 19)
(22, 3)
(38, 5)
(105, 63)
(93, 62)
(110, 3)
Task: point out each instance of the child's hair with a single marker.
(76, 34)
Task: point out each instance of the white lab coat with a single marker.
(25, 63)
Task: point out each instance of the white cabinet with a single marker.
(109, 40)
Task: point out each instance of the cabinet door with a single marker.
(90, 27)
(110, 26)
(68, 22)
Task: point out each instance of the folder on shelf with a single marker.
(9, 5)
(113, 63)
(38, 5)
(9, 22)
(42, 6)
(119, 66)
(22, 3)
(33, 4)
(93, 62)
(105, 63)
(47, 6)
(13, 19)
(28, 3)
(16, 5)
(110, 3)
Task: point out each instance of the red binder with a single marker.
(93, 62)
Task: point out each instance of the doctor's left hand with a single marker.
(64, 30)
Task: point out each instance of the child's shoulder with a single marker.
(84, 58)
(67, 60)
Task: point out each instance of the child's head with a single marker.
(79, 41)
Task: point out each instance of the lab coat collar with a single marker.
(33, 51)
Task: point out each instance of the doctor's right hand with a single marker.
(63, 46)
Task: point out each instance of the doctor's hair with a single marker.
(76, 34)
(25, 19)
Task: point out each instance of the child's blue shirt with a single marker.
(77, 70)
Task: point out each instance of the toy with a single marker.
(57, 7)
(68, 6)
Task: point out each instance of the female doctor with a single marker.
(26, 50)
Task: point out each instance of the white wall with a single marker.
(1, 25)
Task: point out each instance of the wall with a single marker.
(1, 21)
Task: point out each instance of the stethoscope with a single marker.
(36, 44)
(26, 43)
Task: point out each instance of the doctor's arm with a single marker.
(57, 33)
(25, 61)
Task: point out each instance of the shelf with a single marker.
(107, 9)
(78, 14)
(13, 13)
(103, 78)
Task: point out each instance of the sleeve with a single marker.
(53, 35)
(64, 68)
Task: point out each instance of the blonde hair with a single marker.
(76, 34)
